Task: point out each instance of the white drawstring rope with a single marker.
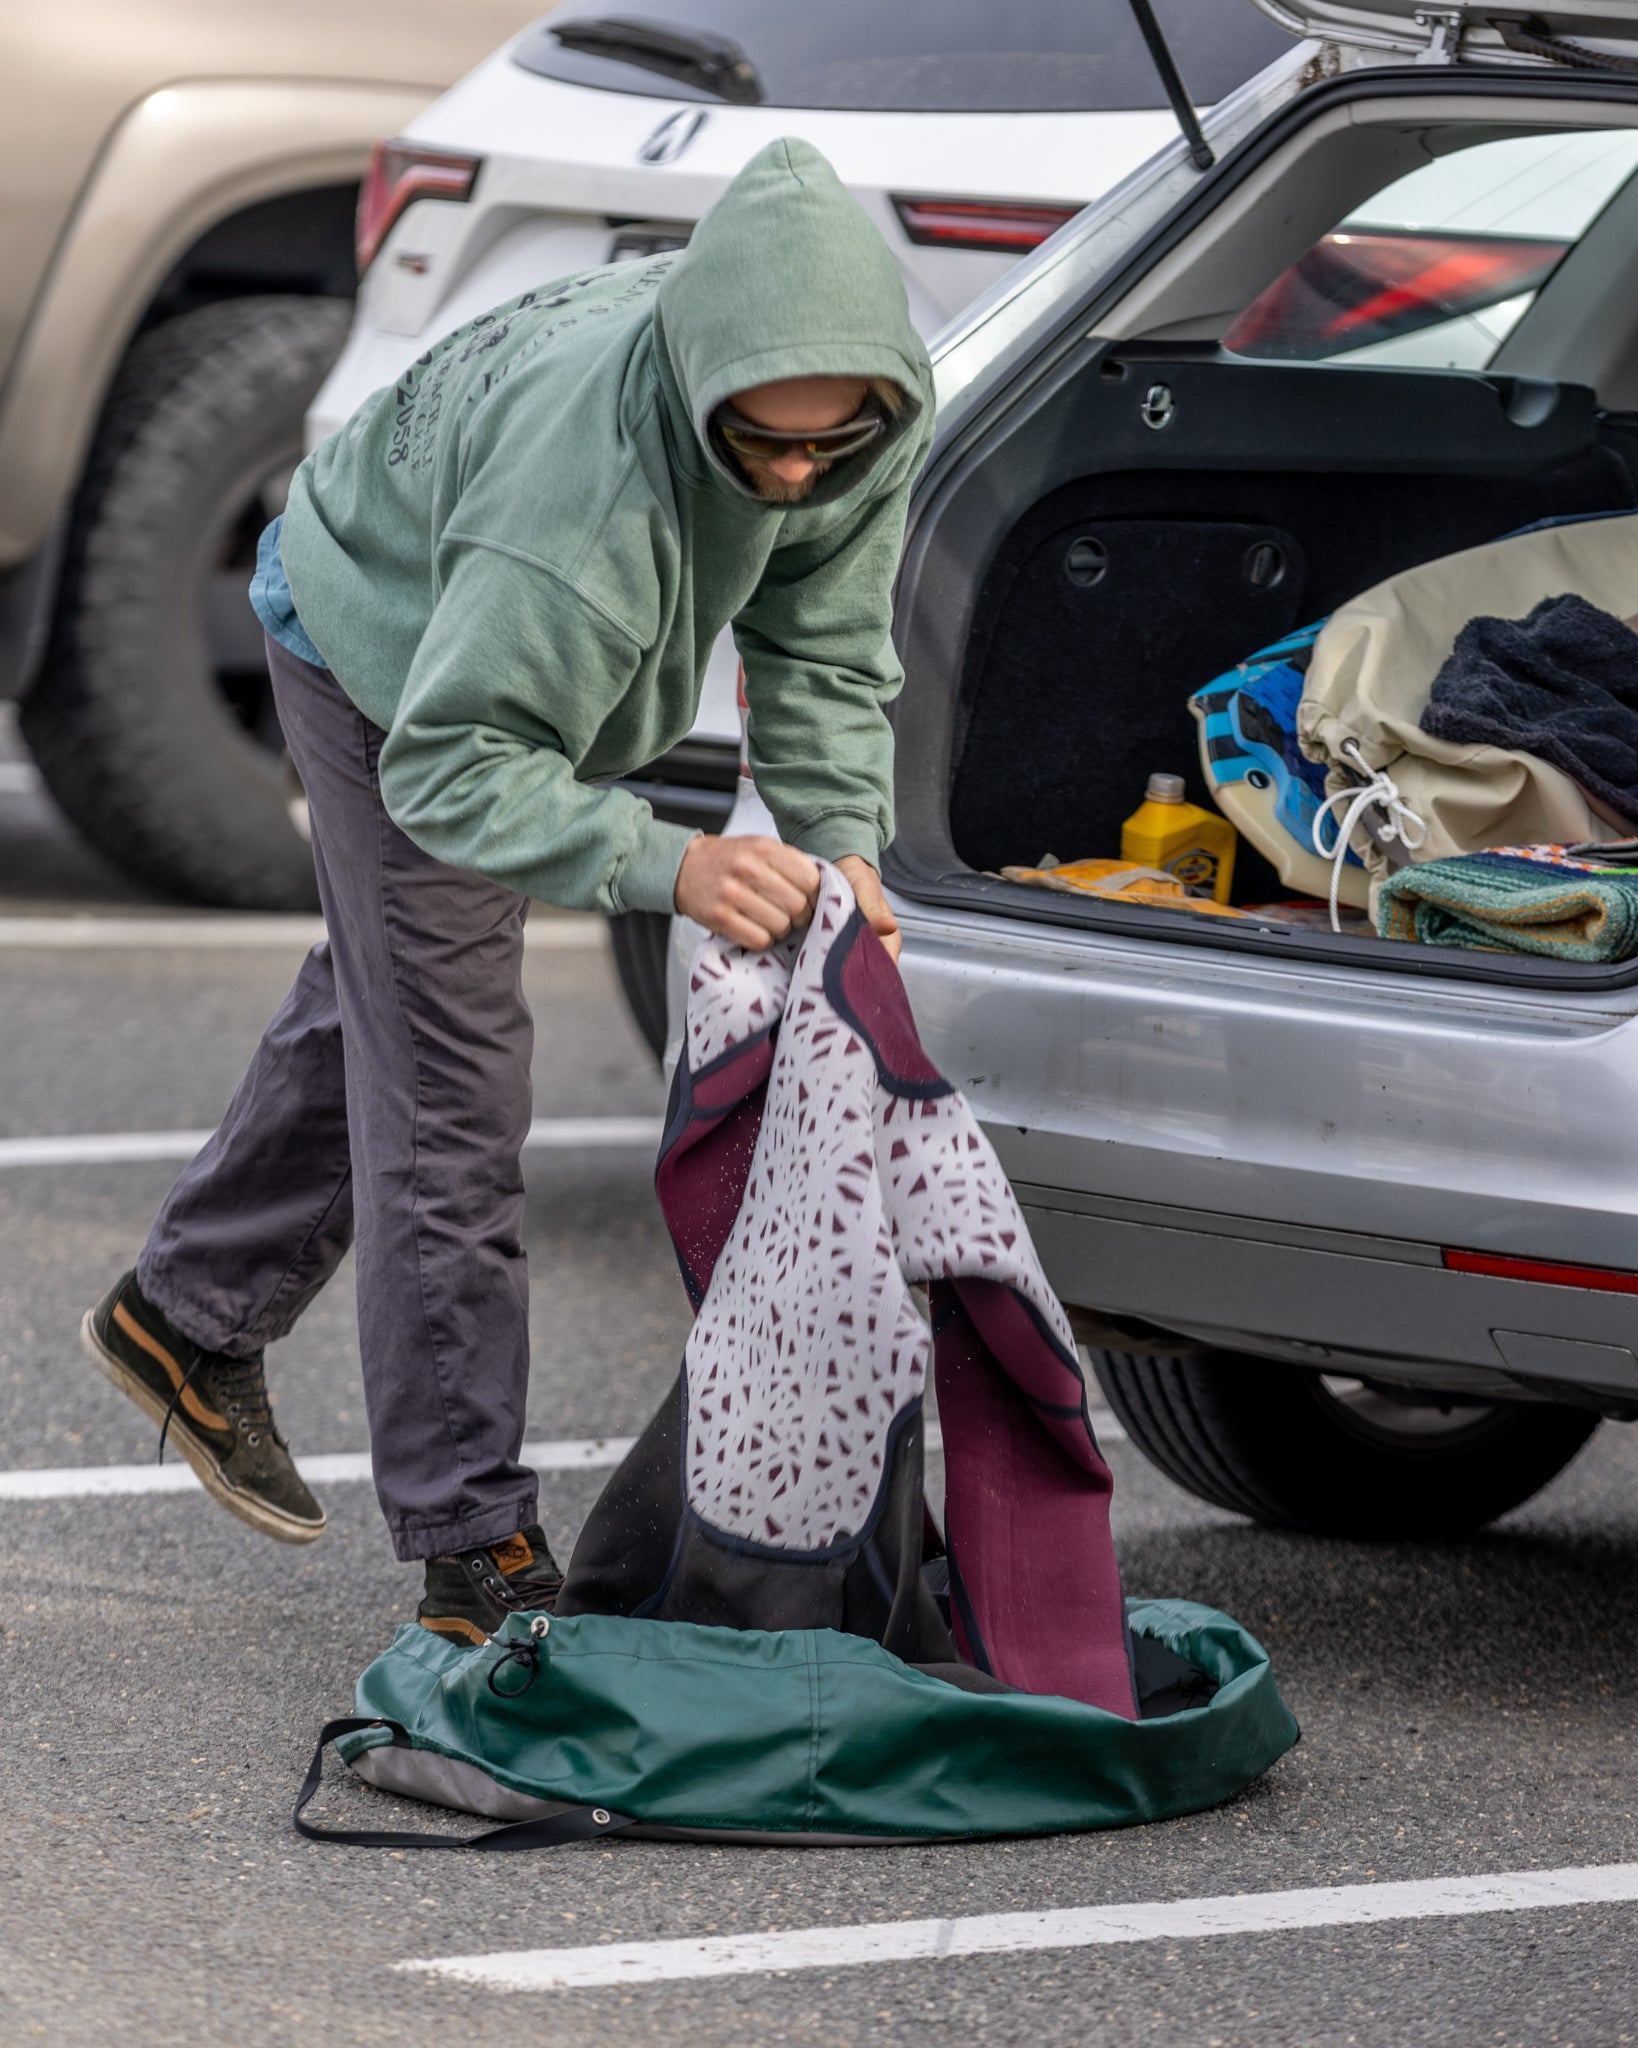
(1379, 788)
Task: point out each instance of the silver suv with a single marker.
(1352, 1226)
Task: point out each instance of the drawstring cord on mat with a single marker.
(524, 1650)
(1378, 788)
(550, 1831)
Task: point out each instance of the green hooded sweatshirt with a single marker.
(516, 560)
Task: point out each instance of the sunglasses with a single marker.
(826, 444)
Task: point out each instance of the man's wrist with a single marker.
(841, 835)
(647, 879)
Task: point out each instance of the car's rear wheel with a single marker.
(1297, 1450)
(153, 722)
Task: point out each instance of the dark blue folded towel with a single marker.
(1561, 684)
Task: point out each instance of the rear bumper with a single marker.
(1383, 1308)
(1270, 1158)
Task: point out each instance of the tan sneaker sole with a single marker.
(258, 1514)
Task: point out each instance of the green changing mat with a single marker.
(794, 1737)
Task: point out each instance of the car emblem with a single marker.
(1158, 407)
(672, 137)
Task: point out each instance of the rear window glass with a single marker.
(973, 56)
(1437, 269)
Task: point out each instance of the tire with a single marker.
(641, 941)
(153, 721)
(1295, 1450)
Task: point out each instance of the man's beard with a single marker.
(773, 487)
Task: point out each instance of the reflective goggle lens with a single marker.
(766, 444)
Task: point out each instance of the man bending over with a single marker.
(497, 585)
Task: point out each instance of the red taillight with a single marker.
(1371, 284)
(398, 174)
(1546, 1272)
(1004, 225)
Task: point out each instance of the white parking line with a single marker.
(100, 1148)
(564, 1133)
(902, 1941)
(542, 934)
(336, 1468)
(106, 1148)
(330, 1468)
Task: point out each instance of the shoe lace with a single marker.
(534, 1588)
(241, 1388)
(538, 1585)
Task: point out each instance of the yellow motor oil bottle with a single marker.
(1196, 846)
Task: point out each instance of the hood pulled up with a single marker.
(786, 276)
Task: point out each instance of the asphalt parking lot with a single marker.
(1467, 1710)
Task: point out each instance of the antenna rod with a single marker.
(1200, 150)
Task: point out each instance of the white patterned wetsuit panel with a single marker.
(732, 995)
(808, 1344)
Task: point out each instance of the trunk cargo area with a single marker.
(1125, 568)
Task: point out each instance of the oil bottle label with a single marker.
(1196, 870)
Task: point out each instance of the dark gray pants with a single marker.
(387, 1102)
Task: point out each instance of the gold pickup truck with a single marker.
(178, 181)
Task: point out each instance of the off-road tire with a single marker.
(129, 723)
(1275, 1442)
(640, 941)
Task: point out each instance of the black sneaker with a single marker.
(214, 1410)
(471, 1593)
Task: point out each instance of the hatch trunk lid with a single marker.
(1591, 32)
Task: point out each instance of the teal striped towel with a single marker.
(1516, 899)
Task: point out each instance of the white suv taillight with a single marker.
(1007, 226)
(400, 173)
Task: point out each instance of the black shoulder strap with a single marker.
(551, 1831)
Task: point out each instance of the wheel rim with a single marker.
(234, 650)
(1404, 1423)
(230, 630)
